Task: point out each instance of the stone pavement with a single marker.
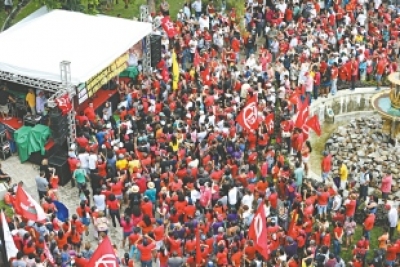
(68, 195)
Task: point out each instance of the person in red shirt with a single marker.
(368, 225)
(380, 69)
(273, 198)
(90, 113)
(391, 253)
(354, 73)
(326, 165)
(322, 201)
(113, 206)
(146, 248)
(81, 261)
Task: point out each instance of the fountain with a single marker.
(387, 104)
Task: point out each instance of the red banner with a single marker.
(168, 27)
(64, 104)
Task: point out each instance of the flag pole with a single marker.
(4, 257)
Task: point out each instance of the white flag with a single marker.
(11, 249)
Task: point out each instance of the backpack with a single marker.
(136, 199)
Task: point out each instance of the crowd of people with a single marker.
(175, 160)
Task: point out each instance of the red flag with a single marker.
(313, 123)
(168, 27)
(258, 232)
(269, 121)
(248, 117)
(306, 131)
(198, 251)
(64, 104)
(302, 115)
(27, 207)
(196, 60)
(104, 256)
(294, 98)
(47, 253)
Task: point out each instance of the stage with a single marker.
(99, 100)
(14, 123)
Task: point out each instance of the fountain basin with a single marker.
(387, 104)
(383, 105)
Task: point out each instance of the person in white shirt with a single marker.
(204, 22)
(232, 196)
(180, 16)
(186, 11)
(197, 6)
(100, 200)
(248, 199)
(193, 46)
(92, 162)
(377, 4)
(361, 18)
(393, 218)
(282, 6)
(83, 157)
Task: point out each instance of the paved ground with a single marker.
(27, 172)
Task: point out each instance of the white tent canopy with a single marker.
(91, 43)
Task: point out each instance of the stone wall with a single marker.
(344, 105)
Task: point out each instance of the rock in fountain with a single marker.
(362, 142)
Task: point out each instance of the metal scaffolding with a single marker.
(31, 82)
(66, 87)
(146, 58)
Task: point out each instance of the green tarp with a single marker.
(21, 139)
(130, 72)
(30, 140)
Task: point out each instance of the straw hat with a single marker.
(135, 189)
(150, 185)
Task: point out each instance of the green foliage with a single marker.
(239, 5)
(8, 211)
(51, 4)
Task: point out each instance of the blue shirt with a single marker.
(100, 137)
(151, 194)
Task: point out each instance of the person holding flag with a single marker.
(175, 71)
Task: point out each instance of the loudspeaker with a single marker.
(155, 47)
(60, 164)
(58, 125)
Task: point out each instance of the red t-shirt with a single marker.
(146, 251)
(323, 198)
(113, 205)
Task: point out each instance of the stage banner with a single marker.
(113, 70)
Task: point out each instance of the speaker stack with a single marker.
(58, 125)
(59, 162)
(155, 46)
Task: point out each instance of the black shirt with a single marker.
(4, 95)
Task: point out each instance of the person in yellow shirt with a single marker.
(343, 174)
(31, 101)
(134, 164)
(122, 163)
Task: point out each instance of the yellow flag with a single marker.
(175, 71)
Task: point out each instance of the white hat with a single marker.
(135, 189)
(150, 185)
